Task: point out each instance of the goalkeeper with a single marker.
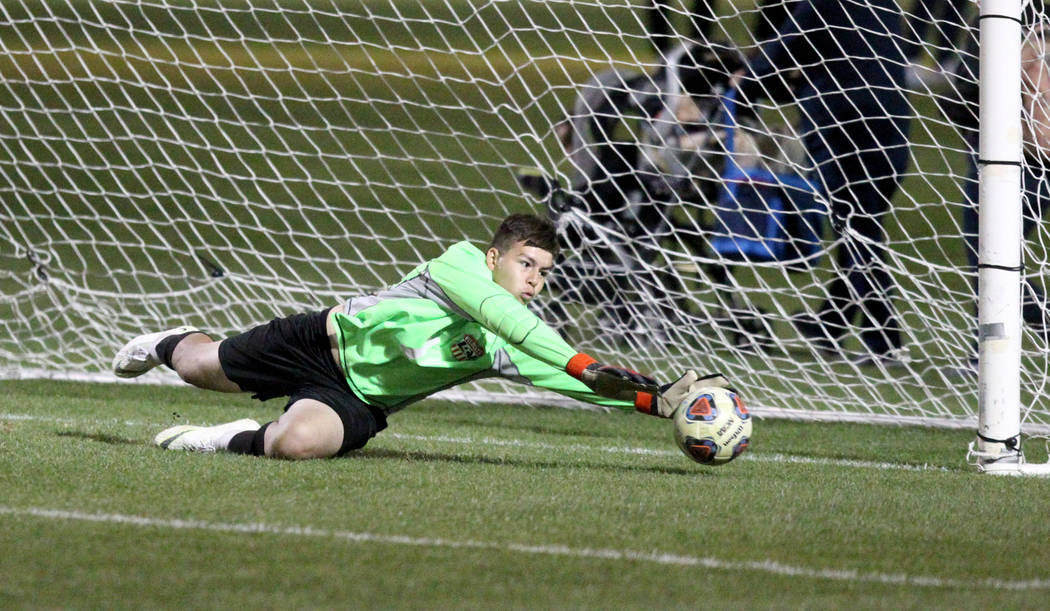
(454, 319)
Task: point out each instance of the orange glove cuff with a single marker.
(644, 402)
(578, 363)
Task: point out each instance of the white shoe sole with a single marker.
(136, 357)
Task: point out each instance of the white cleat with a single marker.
(202, 438)
(140, 354)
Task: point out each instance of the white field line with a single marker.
(656, 557)
(539, 445)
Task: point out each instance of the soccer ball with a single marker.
(712, 426)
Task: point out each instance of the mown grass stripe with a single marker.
(539, 445)
(656, 557)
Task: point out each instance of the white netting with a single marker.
(220, 163)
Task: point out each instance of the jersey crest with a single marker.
(467, 349)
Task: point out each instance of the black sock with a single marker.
(249, 442)
(166, 347)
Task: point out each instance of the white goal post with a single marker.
(219, 163)
(998, 444)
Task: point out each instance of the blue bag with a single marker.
(763, 216)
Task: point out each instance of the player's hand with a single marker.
(610, 381)
(713, 379)
(664, 403)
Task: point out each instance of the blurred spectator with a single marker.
(854, 120)
(661, 29)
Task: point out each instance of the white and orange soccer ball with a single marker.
(712, 426)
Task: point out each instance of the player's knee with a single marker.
(196, 360)
(302, 440)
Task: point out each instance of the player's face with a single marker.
(521, 270)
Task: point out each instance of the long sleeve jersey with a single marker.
(447, 323)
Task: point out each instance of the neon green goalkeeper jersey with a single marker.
(447, 323)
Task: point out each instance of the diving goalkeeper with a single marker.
(454, 319)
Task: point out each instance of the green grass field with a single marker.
(288, 151)
(498, 507)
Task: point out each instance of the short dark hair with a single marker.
(533, 230)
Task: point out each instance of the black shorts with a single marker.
(291, 357)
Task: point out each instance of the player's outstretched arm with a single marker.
(608, 385)
(610, 381)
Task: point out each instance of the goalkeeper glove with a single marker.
(610, 381)
(671, 395)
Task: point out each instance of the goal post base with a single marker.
(998, 458)
(1017, 468)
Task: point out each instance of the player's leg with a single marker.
(196, 359)
(140, 354)
(191, 353)
(309, 428)
(319, 422)
(257, 357)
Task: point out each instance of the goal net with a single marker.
(220, 163)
